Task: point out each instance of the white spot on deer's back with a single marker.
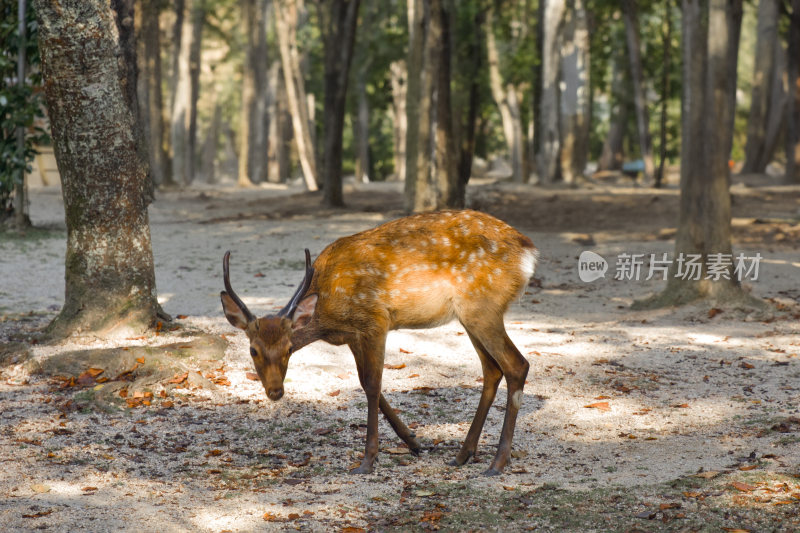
(492, 246)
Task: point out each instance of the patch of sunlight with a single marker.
(164, 297)
(780, 262)
(242, 518)
(705, 338)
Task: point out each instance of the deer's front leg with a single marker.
(369, 361)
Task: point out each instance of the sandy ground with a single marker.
(677, 391)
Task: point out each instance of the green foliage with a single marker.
(19, 104)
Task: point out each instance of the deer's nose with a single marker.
(275, 394)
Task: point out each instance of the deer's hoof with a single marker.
(491, 472)
(364, 468)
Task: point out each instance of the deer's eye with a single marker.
(253, 352)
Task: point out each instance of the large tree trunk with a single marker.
(340, 33)
(151, 100)
(549, 128)
(764, 63)
(710, 43)
(575, 94)
(793, 104)
(473, 66)
(507, 103)
(109, 275)
(449, 193)
(286, 19)
(631, 16)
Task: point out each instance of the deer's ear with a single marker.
(304, 312)
(235, 314)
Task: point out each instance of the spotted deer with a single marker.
(420, 271)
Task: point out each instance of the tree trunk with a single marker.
(363, 59)
(575, 93)
(109, 275)
(278, 146)
(473, 67)
(549, 130)
(793, 103)
(286, 26)
(612, 155)
(254, 123)
(21, 219)
(710, 44)
(182, 103)
(506, 100)
(398, 77)
(208, 153)
(419, 189)
(151, 101)
(449, 193)
(340, 33)
(631, 16)
(764, 64)
(665, 90)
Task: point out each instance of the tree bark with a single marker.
(286, 26)
(341, 17)
(398, 77)
(279, 127)
(665, 90)
(151, 100)
(184, 99)
(109, 275)
(612, 155)
(764, 63)
(419, 189)
(631, 16)
(507, 103)
(793, 104)
(575, 94)
(254, 120)
(549, 130)
(449, 194)
(710, 42)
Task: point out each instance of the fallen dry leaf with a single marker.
(252, 376)
(746, 365)
(334, 393)
(394, 367)
(748, 467)
(404, 351)
(670, 505)
(397, 451)
(600, 406)
(351, 529)
(179, 378)
(744, 487)
(38, 488)
(714, 311)
(140, 360)
(270, 517)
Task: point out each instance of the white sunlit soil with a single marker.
(675, 392)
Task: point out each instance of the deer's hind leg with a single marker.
(491, 379)
(514, 367)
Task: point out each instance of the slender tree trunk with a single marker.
(710, 43)
(575, 94)
(506, 100)
(398, 77)
(665, 90)
(420, 191)
(253, 127)
(286, 26)
(279, 127)
(198, 21)
(474, 64)
(612, 155)
(151, 100)
(550, 131)
(793, 104)
(448, 190)
(363, 60)
(764, 64)
(181, 100)
(21, 220)
(208, 153)
(341, 17)
(631, 16)
(109, 275)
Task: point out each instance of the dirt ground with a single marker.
(679, 419)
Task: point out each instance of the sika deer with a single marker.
(415, 272)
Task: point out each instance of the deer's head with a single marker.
(270, 336)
